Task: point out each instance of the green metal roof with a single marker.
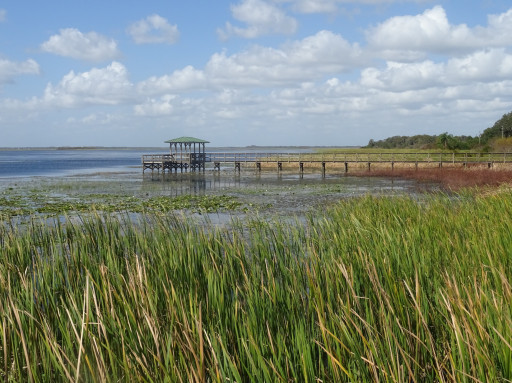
(187, 140)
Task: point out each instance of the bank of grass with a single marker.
(374, 289)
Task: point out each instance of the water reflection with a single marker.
(261, 182)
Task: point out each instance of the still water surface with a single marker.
(71, 174)
(52, 162)
(28, 163)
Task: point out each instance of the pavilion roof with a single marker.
(187, 140)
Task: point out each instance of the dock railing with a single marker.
(422, 157)
(349, 157)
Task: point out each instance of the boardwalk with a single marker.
(184, 162)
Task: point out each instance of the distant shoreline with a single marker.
(78, 148)
(252, 147)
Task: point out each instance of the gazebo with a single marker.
(188, 152)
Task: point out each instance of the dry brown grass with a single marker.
(453, 178)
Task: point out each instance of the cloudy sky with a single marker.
(250, 72)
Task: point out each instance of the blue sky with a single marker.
(250, 72)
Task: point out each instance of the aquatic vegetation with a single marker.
(372, 289)
(47, 204)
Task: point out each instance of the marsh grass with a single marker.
(374, 289)
(451, 178)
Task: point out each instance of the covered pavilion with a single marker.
(188, 152)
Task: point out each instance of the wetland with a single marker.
(111, 276)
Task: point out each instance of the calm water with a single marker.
(29, 163)
(72, 175)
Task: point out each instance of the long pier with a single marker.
(191, 161)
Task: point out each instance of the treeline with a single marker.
(499, 136)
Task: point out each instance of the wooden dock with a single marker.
(194, 161)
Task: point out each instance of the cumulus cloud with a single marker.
(153, 29)
(10, 69)
(186, 79)
(162, 106)
(301, 61)
(499, 31)
(99, 86)
(261, 18)
(91, 46)
(483, 66)
(412, 37)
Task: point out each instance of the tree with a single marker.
(442, 140)
(501, 129)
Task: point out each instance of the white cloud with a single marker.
(156, 107)
(153, 29)
(261, 67)
(186, 79)
(499, 32)
(412, 37)
(10, 69)
(483, 66)
(3, 15)
(302, 60)
(103, 86)
(261, 18)
(91, 46)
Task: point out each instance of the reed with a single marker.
(374, 289)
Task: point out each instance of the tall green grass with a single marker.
(375, 289)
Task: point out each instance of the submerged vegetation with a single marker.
(373, 289)
(13, 204)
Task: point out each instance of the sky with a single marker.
(250, 72)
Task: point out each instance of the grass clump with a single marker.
(374, 289)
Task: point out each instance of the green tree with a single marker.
(501, 129)
(443, 139)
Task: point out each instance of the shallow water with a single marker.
(50, 176)
(284, 194)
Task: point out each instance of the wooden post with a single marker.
(369, 166)
(346, 167)
(258, 166)
(301, 167)
(279, 166)
(323, 169)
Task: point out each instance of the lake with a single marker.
(63, 162)
(70, 175)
